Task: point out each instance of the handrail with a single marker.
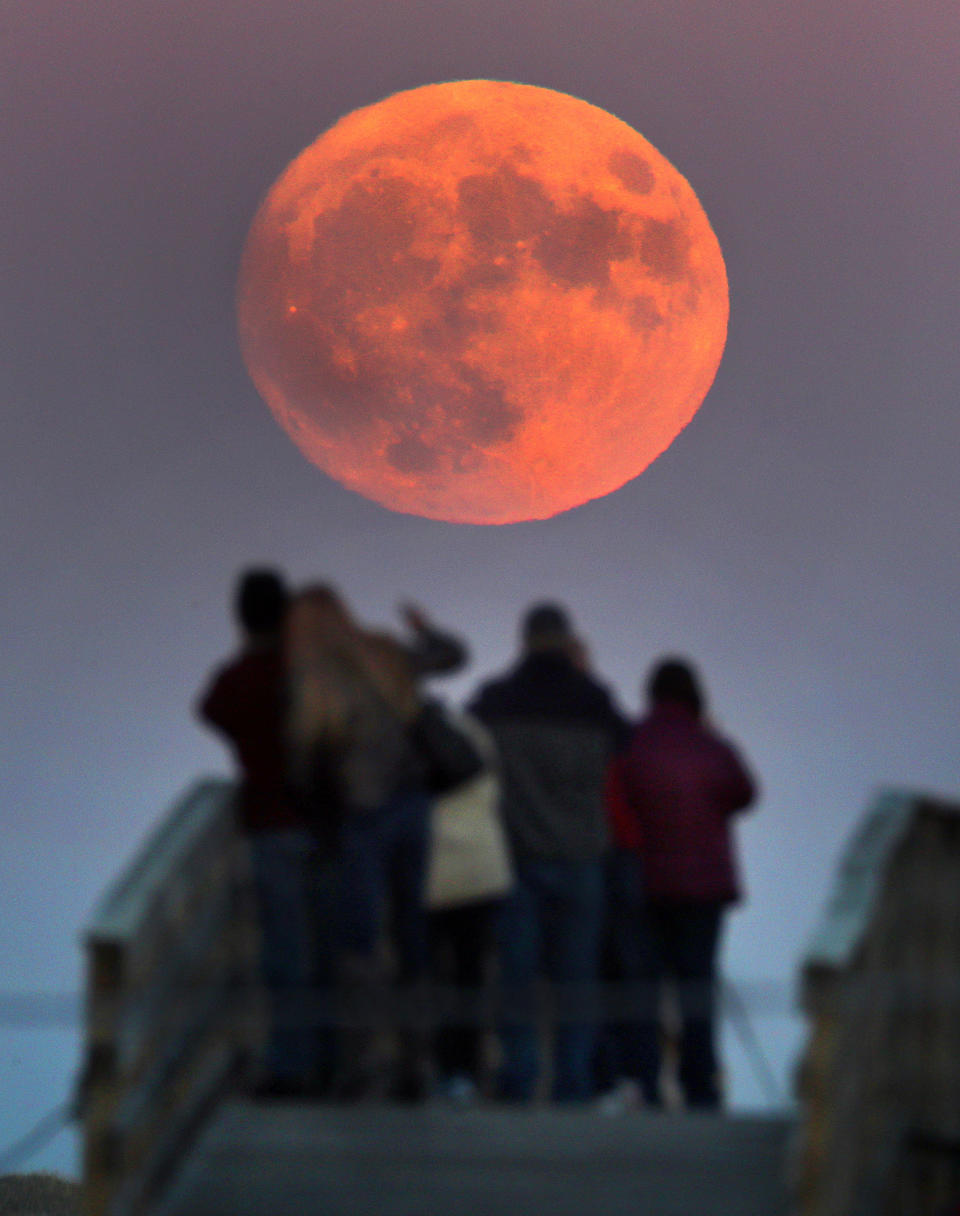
(859, 881)
(121, 912)
(168, 948)
(880, 985)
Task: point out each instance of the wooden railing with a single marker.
(879, 1083)
(170, 1021)
(168, 951)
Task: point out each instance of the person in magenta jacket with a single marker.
(671, 798)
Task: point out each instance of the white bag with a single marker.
(469, 857)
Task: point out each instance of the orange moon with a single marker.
(482, 302)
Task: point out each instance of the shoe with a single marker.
(459, 1091)
(621, 1100)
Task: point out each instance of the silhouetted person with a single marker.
(354, 697)
(470, 873)
(556, 730)
(673, 793)
(246, 702)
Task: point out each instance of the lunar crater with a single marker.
(578, 247)
(503, 208)
(664, 248)
(632, 171)
(643, 313)
(410, 454)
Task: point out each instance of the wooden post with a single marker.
(879, 1082)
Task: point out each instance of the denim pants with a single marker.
(383, 872)
(550, 925)
(296, 899)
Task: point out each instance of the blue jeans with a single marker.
(550, 924)
(383, 867)
(296, 897)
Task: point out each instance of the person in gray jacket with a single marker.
(556, 730)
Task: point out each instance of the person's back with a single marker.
(245, 702)
(683, 782)
(354, 699)
(672, 794)
(292, 867)
(556, 730)
(353, 696)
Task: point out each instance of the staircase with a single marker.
(292, 1160)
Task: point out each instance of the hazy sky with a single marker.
(798, 540)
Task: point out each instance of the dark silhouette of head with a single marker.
(675, 681)
(261, 602)
(547, 627)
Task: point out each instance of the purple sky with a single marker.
(798, 540)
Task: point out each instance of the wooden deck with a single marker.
(290, 1160)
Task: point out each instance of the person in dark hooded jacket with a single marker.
(556, 730)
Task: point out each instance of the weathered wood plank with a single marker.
(840, 931)
(120, 913)
(126, 1026)
(881, 985)
(169, 949)
(300, 1161)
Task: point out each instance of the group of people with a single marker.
(538, 844)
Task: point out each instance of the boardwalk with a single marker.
(302, 1161)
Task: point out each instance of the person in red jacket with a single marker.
(671, 798)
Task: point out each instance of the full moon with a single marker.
(482, 302)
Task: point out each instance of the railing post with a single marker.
(881, 989)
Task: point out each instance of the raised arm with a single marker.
(431, 651)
